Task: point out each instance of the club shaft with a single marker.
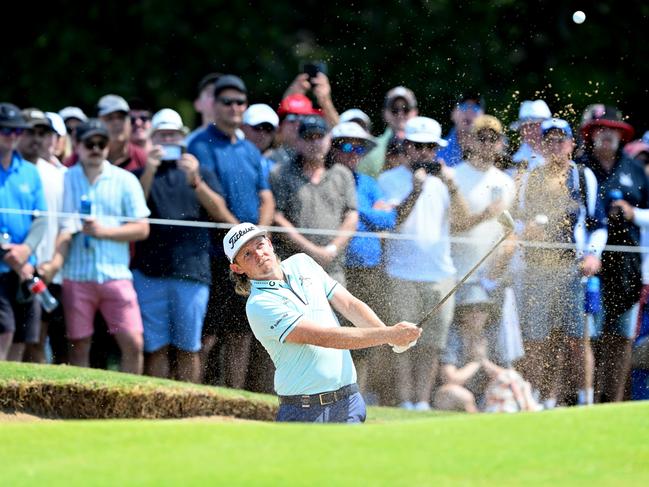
(463, 280)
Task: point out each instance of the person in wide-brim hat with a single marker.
(605, 116)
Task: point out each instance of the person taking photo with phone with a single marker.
(172, 268)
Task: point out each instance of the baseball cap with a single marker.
(260, 113)
(229, 81)
(57, 123)
(167, 119)
(73, 112)
(351, 130)
(470, 97)
(487, 122)
(356, 114)
(111, 104)
(556, 124)
(93, 126)
(207, 80)
(599, 115)
(11, 117)
(238, 236)
(424, 130)
(312, 124)
(36, 118)
(531, 111)
(296, 104)
(400, 92)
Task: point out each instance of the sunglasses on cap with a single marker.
(350, 148)
(92, 143)
(264, 127)
(7, 131)
(223, 100)
(469, 107)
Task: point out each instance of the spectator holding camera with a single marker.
(604, 132)
(172, 267)
(421, 271)
(94, 252)
(315, 80)
(488, 191)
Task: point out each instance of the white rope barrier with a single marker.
(315, 231)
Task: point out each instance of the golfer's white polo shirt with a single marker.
(275, 308)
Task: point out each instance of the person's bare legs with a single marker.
(35, 352)
(236, 355)
(131, 345)
(5, 343)
(16, 352)
(189, 366)
(615, 366)
(156, 364)
(208, 343)
(79, 352)
(452, 397)
(424, 367)
(471, 320)
(537, 367)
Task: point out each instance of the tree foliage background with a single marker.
(71, 53)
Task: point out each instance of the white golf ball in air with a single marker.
(578, 17)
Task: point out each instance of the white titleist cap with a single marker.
(238, 236)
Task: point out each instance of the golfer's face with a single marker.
(256, 259)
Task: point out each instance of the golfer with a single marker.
(289, 312)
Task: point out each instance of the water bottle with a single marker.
(5, 238)
(38, 288)
(593, 300)
(85, 208)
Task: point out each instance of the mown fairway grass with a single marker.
(602, 445)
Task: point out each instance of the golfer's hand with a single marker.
(404, 334)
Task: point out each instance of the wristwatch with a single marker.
(332, 248)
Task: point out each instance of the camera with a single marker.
(172, 152)
(313, 68)
(433, 168)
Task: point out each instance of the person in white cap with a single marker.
(171, 269)
(260, 124)
(289, 309)
(58, 145)
(530, 116)
(421, 271)
(358, 116)
(72, 117)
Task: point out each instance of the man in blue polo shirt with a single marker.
(238, 166)
(290, 312)
(20, 189)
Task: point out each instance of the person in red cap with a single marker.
(604, 132)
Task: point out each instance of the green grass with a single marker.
(601, 445)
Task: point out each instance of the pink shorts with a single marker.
(116, 300)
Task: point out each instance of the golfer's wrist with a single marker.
(332, 248)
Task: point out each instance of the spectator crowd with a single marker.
(77, 192)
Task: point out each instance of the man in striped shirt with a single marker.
(95, 251)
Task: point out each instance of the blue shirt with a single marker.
(115, 194)
(366, 251)
(275, 308)
(21, 189)
(239, 168)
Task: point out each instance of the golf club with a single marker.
(507, 222)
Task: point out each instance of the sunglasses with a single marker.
(91, 144)
(422, 145)
(142, 118)
(232, 101)
(398, 110)
(7, 131)
(490, 138)
(292, 117)
(469, 107)
(264, 127)
(349, 148)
